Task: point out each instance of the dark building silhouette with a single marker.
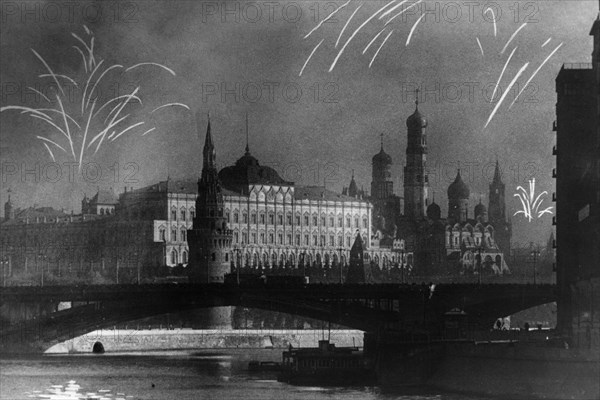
(209, 240)
(356, 269)
(496, 213)
(577, 197)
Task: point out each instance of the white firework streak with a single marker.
(494, 19)
(51, 123)
(148, 131)
(114, 99)
(49, 70)
(170, 105)
(354, 34)
(105, 131)
(402, 12)
(480, 47)
(380, 46)
(528, 202)
(50, 151)
(87, 84)
(310, 56)
(98, 81)
(512, 37)
(59, 76)
(546, 42)
(346, 25)
(506, 93)
(373, 40)
(125, 130)
(60, 112)
(412, 30)
(327, 18)
(45, 139)
(25, 109)
(68, 133)
(82, 56)
(87, 127)
(391, 10)
(534, 74)
(502, 74)
(40, 93)
(152, 63)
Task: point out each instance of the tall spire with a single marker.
(381, 135)
(209, 152)
(417, 99)
(497, 178)
(247, 146)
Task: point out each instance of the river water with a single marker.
(173, 375)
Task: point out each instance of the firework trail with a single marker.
(530, 205)
(152, 63)
(502, 74)
(523, 68)
(412, 30)
(97, 121)
(310, 56)
(346, 25)
(380, 46)
(391, 10)
(534, 74)
(402, 12)
(512, 37)
(373, 40)
(327, 18)
(546, 42)
(354, 34)
(480, 47)
(493, 19)
(170, 105)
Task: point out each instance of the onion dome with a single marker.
(416, 120)
(458, 189)
(434, 211)
(480, 209)
(382, 157)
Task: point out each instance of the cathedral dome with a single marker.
(382, 157)
(416, 120)
(247, 171)
(434, 211)
(480, 209)
(458, 189)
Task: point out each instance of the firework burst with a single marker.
(80, 131)
(531, 203)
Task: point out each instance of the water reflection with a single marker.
(71, 391)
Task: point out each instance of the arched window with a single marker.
(174, 235)
(174, 257)
(183, 235)
(174, 214)
(192, 212)
(102, 211)
(162, 234)
(183, 214)
(184, 257)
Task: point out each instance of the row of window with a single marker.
(162, 235)
(183, 214)
(315, 220)
(298, 239)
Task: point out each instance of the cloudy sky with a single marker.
(232, 58)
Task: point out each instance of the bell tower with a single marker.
(210, 238)
(497, 212)
(416, 181)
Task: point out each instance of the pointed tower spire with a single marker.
(497, 178)
(247, 146)
(417, 99)
(381, 135)
(209, 152)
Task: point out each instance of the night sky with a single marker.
(231, 58)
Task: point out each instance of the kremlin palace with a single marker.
(264, 221)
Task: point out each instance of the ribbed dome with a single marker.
(480, 209)
(382, 157)
(434, 211)
(458, 189)
(416, 120)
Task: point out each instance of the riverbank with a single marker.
(123, 340)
